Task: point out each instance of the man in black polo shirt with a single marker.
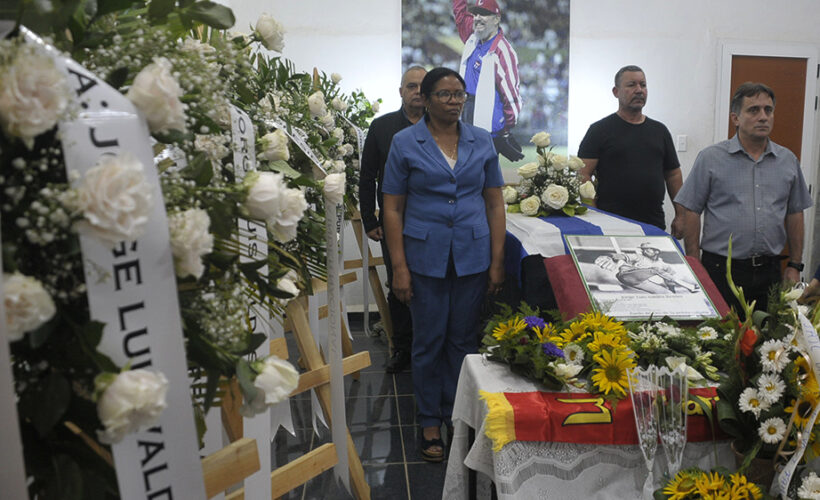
(633, 157)
(374, 156)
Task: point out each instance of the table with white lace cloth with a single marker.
(544, 470)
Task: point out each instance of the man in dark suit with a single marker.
(376, 146)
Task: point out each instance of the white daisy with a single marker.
(770, 387)
(751, 401)
(810, 488)
(771, 431)
(773, 356)
(707, 333)
(573, 354)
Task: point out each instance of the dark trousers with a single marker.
(399, 312)
(756, 281)
(445, 314)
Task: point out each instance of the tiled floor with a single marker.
(381, 416)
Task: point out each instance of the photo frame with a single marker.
(639, 277)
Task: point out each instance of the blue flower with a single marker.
(551, 349)
(534, 322)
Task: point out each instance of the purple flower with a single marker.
(534, 322)
(551, 349)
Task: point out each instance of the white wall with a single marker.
(677, 43)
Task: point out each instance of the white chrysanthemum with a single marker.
(770, 387)
(156, 93)
(751, 401)
(773, 356)
(810, 487)
(334, 187)
(771, 431)
(573, 354)
(190, 240)
(707, 333)
(130, 401)
(316, 103)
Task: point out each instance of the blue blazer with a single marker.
(444, 209)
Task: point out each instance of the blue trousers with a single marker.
(445, 314)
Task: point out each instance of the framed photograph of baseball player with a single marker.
(638, 277)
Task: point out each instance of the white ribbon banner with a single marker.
(12, 468)
(253, 244)
(299, 137)
(812, 343)
(132, 290)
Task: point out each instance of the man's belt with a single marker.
(753, 261)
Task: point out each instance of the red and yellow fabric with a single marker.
(581, 418)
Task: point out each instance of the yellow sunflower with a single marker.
(604, 340)
(804, 409)
(611, 375)
(742, 489)
(596, 321)
(508, 329)
(544, 334)
(712, 485)
(576, 332)
(680, 486)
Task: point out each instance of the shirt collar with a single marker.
(736, 147)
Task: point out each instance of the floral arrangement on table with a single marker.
(693, 484)
(594, 351)
(182, 71)
(550, 185)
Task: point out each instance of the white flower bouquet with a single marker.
(550, 185)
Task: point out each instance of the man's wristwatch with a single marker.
(796, 265)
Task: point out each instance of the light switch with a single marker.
(680, 143)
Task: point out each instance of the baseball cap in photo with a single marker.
(484, 7)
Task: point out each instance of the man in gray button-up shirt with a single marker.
(753, 190)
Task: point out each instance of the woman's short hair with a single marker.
(435, 75)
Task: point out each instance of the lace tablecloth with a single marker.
(539, 470)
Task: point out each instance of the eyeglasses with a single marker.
(446, 95)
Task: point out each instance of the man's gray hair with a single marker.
(749, 89)
(623, 70)
(411, 68)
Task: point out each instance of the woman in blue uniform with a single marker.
(444, 223)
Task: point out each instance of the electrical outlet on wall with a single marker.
(680, 143)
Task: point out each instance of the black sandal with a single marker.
(427, 454)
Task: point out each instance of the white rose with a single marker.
(566, 370)
(337, 166)
(559, 162)
(528, 170)
(190, 240)
(587, 190)
(375, 106)
(133, 400)
(530, 206)
(28, 305)
(575, 163)
(114, 199)
(336, 77)
(285, 224)
(316, 103)
(346, 149)
(334, 188)
(33, 96)
(275, 380)
(555, 196)
(287, 283)
(338, 104)
(275, 146)
(541, 139)
(271, 32)
(338, 134)
(328, 121)
(155, 92)
(264, 197)
(510, 194)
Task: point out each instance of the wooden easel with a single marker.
(372, 276)
(317, 376)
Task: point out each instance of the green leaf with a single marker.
(38, 337)
(211, 14)
(48, 402)
(514, 208)
(568, 210)
(199, 170)
(68, 483)
(282, 167)
(245, 375)
(158, 10)
(108, 6)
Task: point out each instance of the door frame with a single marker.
(809, 146)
